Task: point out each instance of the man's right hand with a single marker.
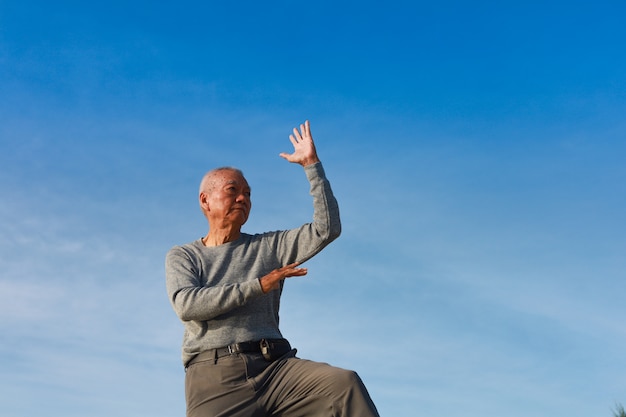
(272, 280)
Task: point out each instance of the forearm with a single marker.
(193, 299)
(299, 245)
(206, 303)
(326, 219)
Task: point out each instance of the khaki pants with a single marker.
(246, 385)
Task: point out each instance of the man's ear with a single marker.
(204, 201)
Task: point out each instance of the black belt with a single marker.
(270, 348)
(245, 347)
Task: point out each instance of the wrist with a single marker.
(310, 161)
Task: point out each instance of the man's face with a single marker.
(229, 201)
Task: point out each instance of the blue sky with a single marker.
(476, 150)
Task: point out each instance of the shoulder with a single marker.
(187, 250)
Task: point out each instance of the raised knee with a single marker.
(347, 378)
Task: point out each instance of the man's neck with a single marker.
(219, 237)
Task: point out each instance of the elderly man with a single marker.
(226, 288)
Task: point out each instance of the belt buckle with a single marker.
(232, 351)
(266, 349)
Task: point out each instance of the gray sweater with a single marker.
(215, 291)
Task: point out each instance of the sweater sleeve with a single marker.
(192, 300)
(301, 244)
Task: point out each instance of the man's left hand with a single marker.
(304, 148)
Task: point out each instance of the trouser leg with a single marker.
(297, 387)
(220, 388)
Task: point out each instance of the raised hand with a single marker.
(304, 149)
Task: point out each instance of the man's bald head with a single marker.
(207, 185)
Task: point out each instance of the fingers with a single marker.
(296, 136)
(293, 140)
(291, 270)
(272, 280)
(304, 149)
(295, 272)
(306, 129)
(303, 133)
